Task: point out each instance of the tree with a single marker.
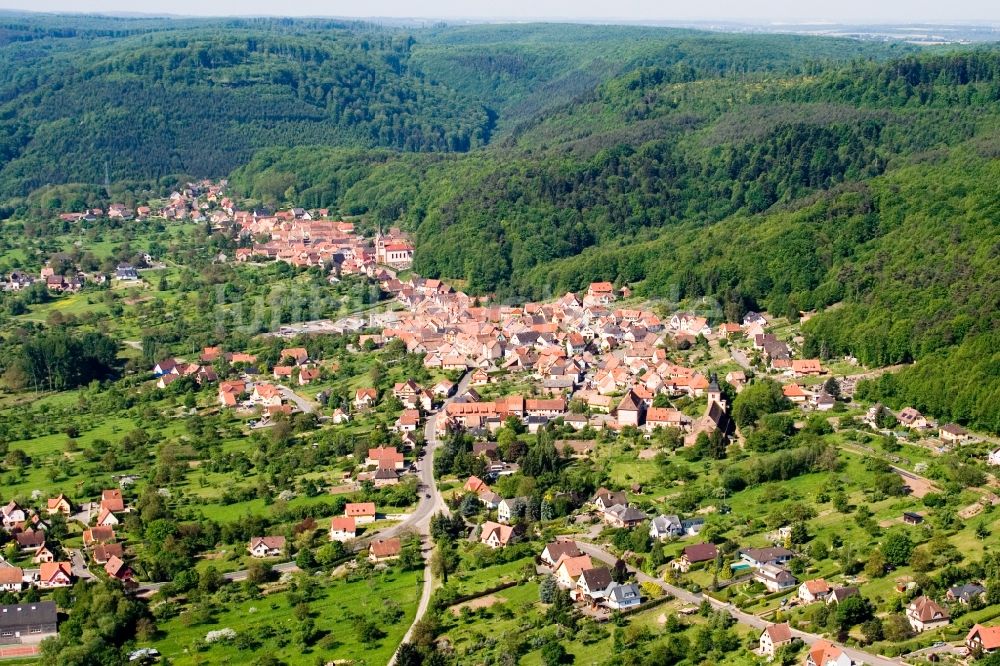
(764, 396)
(832, 387)
(897, 548)
(547, 589)
(852, 611)
(553, 653)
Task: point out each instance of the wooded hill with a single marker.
(778, 172)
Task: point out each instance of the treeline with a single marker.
(57, 360)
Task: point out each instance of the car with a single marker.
(427, 496)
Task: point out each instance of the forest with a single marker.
(759, 171)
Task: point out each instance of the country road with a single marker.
(747, 619)
(426, 509)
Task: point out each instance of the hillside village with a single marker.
(509, 394)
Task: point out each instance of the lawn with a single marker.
(269, 625)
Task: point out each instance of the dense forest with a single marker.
(762, 171)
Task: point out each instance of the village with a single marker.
(583, 372)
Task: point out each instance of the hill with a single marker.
(864, 186)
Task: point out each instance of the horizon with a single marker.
(768, 14)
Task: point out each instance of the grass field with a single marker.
(269, 625)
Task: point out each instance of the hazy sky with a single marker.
(896, 11)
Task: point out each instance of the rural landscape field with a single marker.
(427, 343)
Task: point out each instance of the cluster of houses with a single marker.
(29, 530)
(294, 366)
(295, 237)
(588, 584)
(69, 282)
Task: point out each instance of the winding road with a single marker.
(748, 619)
(430, 503)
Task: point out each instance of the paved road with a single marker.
(427, 507)
(418, 521)
(740, 357)
(289, 395)
(78, 563)
(743, 618)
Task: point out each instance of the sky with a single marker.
(880, 11)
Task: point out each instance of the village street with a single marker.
(430, 503)
(747, 619)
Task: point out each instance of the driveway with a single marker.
(303, 405)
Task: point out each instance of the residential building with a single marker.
(28, 623)
(382, 550)
(342, 528)
(266, 546)
(983, 640)
(773, 637)
(924, 614)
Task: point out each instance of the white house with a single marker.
(773, 637)
(623, 597)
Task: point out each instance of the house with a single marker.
(126, 272)
(699, 552)
(363, 513)
(105, 551)
(12, 514)
(760, 557)
(623, 515)
(773, 637)
(600, 293)
(107, 519)
(838, 594)
(983, 640)
(43, 554)
(924, 614)
(30, 540)
(28, 623)
(112, 500)
(556, 550)
(266, 394)
(813, 590)
(385, 457)
(593, 584)
(994, 457)
(230, 391)
(408, 421)
(298, 355)
(11, 579)
(631, 410)
(118, 570)
(806, 367)
(795, 393)
(825, 653)
(496, 535)
(96, 535)
(775, 578)
(59, 504)
(568, 569)
(605, 499)
(308, 375)
(342, 528)
(623, 597)
(664, 527)
(365, 398)
(953, 433)
(508, 509)
(966, 593)
(266, 546)
(911, 418)
(382, 550)
(55, 574)
(911, 518)
(340, 416)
